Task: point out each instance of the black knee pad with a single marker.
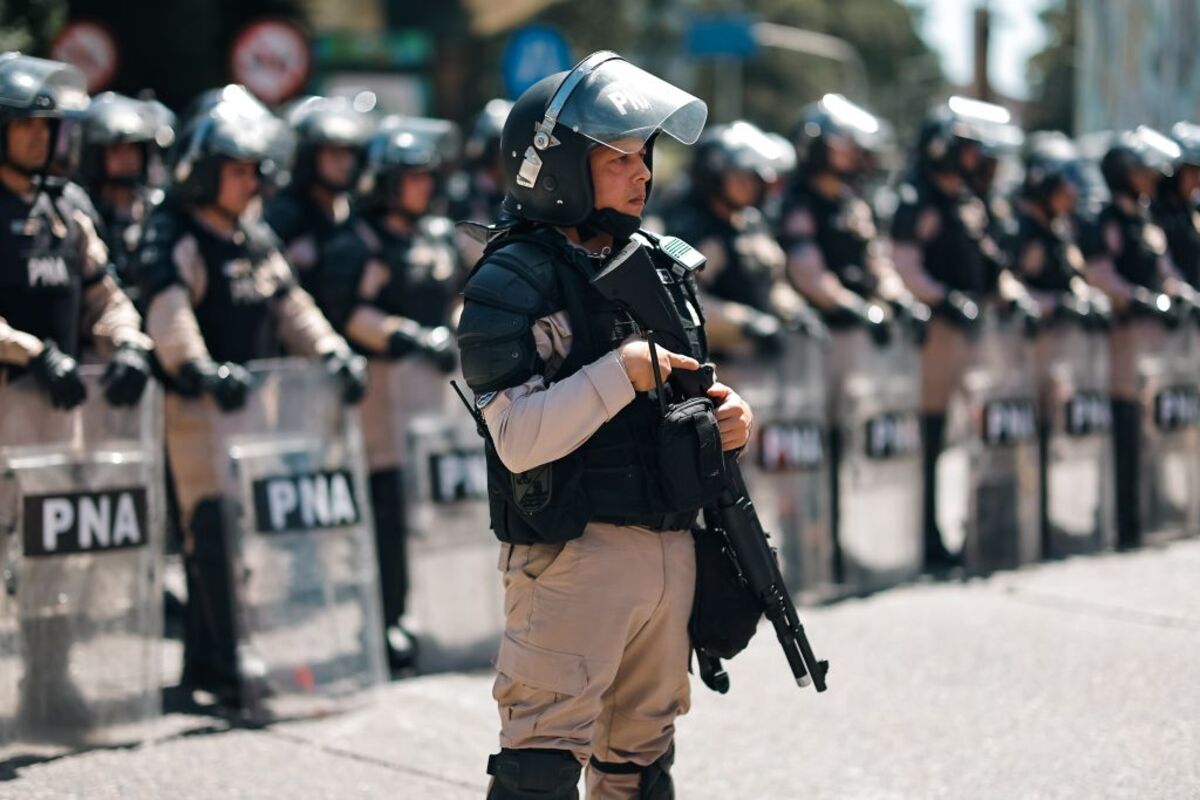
(534, 774)
(655, 783)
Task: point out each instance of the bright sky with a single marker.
(1016, 35)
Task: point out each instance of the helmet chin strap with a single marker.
(608, 220)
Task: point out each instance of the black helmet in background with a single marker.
(400, 146)
(833, 123)
(235, 127)
(116, 119)
(945, 139)
(1136, 160)
(318, 122)
(604, 101)
(38, 88)
(736, 147)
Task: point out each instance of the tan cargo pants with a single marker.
(945, 356)
(595, 652)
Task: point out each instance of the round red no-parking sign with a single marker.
(271, 57)
(90, 47)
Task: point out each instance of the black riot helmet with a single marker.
(237, 127)
(35, 87)
(999, 138)
(736, 147)
(1186, 136)
(945, 134)
(1051, 161)
(402, 145)
(831, 120)
(116, 119)
(483, 145)
(325, 122)
(1143, 149)
(553, 126)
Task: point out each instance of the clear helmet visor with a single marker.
(621, 106)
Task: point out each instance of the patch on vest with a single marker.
(531, 489)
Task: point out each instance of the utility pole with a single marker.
(982, 88)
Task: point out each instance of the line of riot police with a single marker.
(1003, 376)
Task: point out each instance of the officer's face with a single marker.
(29, 142)
(123, 160)
(844, 156)
(969, 157)
(1143, 181)
(1063, 199)
(1189, 181)
(238, 186)
(743, 189)
(415, 191)
(335, 165)
(619, 179)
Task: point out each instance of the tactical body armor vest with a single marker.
(1059, 258)
(41, 267)
(617, 475)
(1181, 224)
(1142, 244)
(954, 256)
(843, 230)
(753, 258)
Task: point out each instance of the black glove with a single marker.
(959, 309)
(126, 376)
(766, 331)
(1028, 313)
(807, 322)
(1070, 307)
(1187, 303)
(436, 344)
(59, 375)
(1155, 305)
(350, 370)
(228, 383)
(914, 315)
(868, 315)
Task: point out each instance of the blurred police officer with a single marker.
(1175, 204)
(599, 567)
(1128, 259)
(55, 290)
(218, 294)
(388, 283)
(947, 259)
(747, 301)
(310, 211)
(122, 138)
(476, 191)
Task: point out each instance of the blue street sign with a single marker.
(728, 36)
(532, 53)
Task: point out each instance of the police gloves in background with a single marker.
(956, 307)
(126, 376)
(435, 344)
(350, 370)
(59, 375)
(228, 383)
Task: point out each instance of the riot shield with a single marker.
(1170, 410)
(81, 529)
(456, 601)
(786, 464)
(1076, 444)
(987, 476)
(298, 533)
(875, 418)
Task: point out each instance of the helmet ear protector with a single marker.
(543, 135)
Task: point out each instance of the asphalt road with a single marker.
(1077, 679)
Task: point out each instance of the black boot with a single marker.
(933, 435)
(210, 660)
(534, 774)
(1127, 437)
(835, 462)
(391, 549)
(655, 783)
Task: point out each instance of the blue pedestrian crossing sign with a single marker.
(532, 53)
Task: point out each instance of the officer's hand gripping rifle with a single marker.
(631, 280)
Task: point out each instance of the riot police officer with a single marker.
(1175, 205)
(999, 139)
(476, 191)
(747, 301)
(947, 259)
(388, 282)
(218, 293)
(329, 137)
(122, 138)
(1128, 259)
(836, 258)
(55, 289)
(598, 564)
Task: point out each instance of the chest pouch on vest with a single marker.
(689, 447)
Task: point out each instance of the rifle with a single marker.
(631, 280)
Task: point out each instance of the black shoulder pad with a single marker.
(337, 277)
(496, 347)
(519, 277)
(155, 257)
(286, 216)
